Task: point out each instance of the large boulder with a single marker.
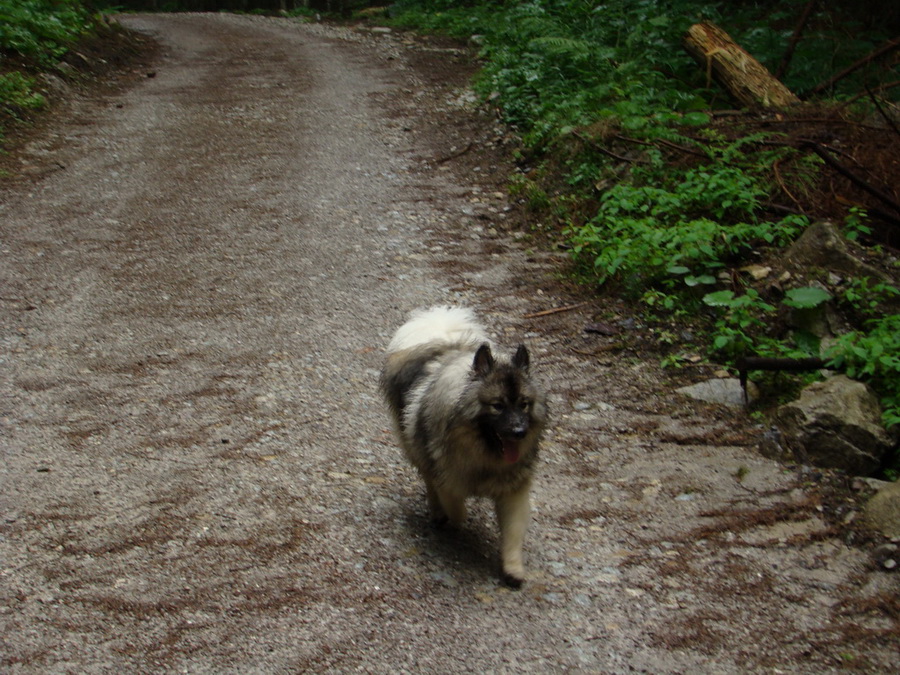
(836, 424)
(821, 246)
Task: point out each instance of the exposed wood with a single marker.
(742, 76)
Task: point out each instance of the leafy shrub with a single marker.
(17, 92)
(644, 234)
(41, 30)
(874, 357)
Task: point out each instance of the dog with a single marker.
(468, 419)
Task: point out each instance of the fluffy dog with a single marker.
(468, 419)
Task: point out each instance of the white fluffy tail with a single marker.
(439, 326)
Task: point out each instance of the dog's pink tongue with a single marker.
(511, 451)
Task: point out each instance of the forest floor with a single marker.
(203, 257)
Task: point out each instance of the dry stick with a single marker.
(883, 88)
(555, 310)
(447, 158)
(663, 141)
(795, 38)
(681, 148)
(886, 48)
(887, 118)
(843, 170)
(781, 184)
(600, 148)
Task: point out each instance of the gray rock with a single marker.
(835, 424)
(725, 390)
(822, 246)
(882, 512)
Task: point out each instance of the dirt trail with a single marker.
(197, 474)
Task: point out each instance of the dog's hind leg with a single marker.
(512, 515)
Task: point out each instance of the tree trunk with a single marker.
(742, 76)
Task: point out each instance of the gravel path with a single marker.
(197, 474)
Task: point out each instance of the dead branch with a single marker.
(609, 153)
(887, 118)
(781, 184)
(454, 155)
(849, 175)
(662, 141)
(884, 49)
(795, 38)
(555, 310)
(881, 89)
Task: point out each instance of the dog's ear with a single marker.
(484, 361)
(521, 359)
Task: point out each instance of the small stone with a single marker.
(883, 511)
(727, 391)
(756, 272)
(886, 556)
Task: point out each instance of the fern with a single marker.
(560, 47)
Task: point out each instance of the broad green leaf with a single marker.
(806, 297)
(719, 299)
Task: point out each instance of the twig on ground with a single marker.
(555, 310)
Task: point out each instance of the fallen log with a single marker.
(742, 76)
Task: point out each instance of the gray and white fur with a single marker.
(468, 419)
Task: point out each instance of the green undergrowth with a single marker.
(34, 36)
(657, 199)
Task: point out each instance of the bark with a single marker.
(742, 76)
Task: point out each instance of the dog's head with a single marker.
(511, 407)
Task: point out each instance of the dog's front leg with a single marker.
(446, 505)
(512, 515)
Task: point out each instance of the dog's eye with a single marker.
(497, 406)
(525, 404)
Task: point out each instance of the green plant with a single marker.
(41, 30)
(866, 296)
(873, 356)
(34, 35)
(741, 320)
(855, 224)
(808, 297)
(740, 327)
(17, 93)
(643, 234)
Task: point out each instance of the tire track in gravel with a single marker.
(197, 474)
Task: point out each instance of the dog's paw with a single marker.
(512, 580)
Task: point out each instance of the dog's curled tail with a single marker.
(443, 325)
